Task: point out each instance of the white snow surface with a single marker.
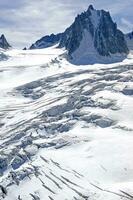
(66, 131)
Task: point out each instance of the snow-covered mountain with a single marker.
(93, 37)
(93, 33)
(129, 39)
(3, 43)
(46, 41)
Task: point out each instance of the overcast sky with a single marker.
(25, 21)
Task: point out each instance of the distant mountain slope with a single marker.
(46, 41)
(3, 43)
(129, 39)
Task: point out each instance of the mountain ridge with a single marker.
(98, 31)
(46, 41)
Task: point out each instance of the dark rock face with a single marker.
(74, 34)
(46, 41)
(3, 43)
(129, 40)
(130, 35)
(106, 37)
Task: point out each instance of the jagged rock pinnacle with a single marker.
(90, 7)
(3, 42)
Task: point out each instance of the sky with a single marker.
(25, 21)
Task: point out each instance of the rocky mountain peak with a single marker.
(93, 31)
(3, 37)
(92, 34)
(90, 7)
(3, 42)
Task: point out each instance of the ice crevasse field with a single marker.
(66, 131)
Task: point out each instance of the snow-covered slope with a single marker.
(66, 131)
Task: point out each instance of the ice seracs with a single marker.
(65, 130)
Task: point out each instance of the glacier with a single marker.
(65, 129)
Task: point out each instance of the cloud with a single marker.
(25, 21)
